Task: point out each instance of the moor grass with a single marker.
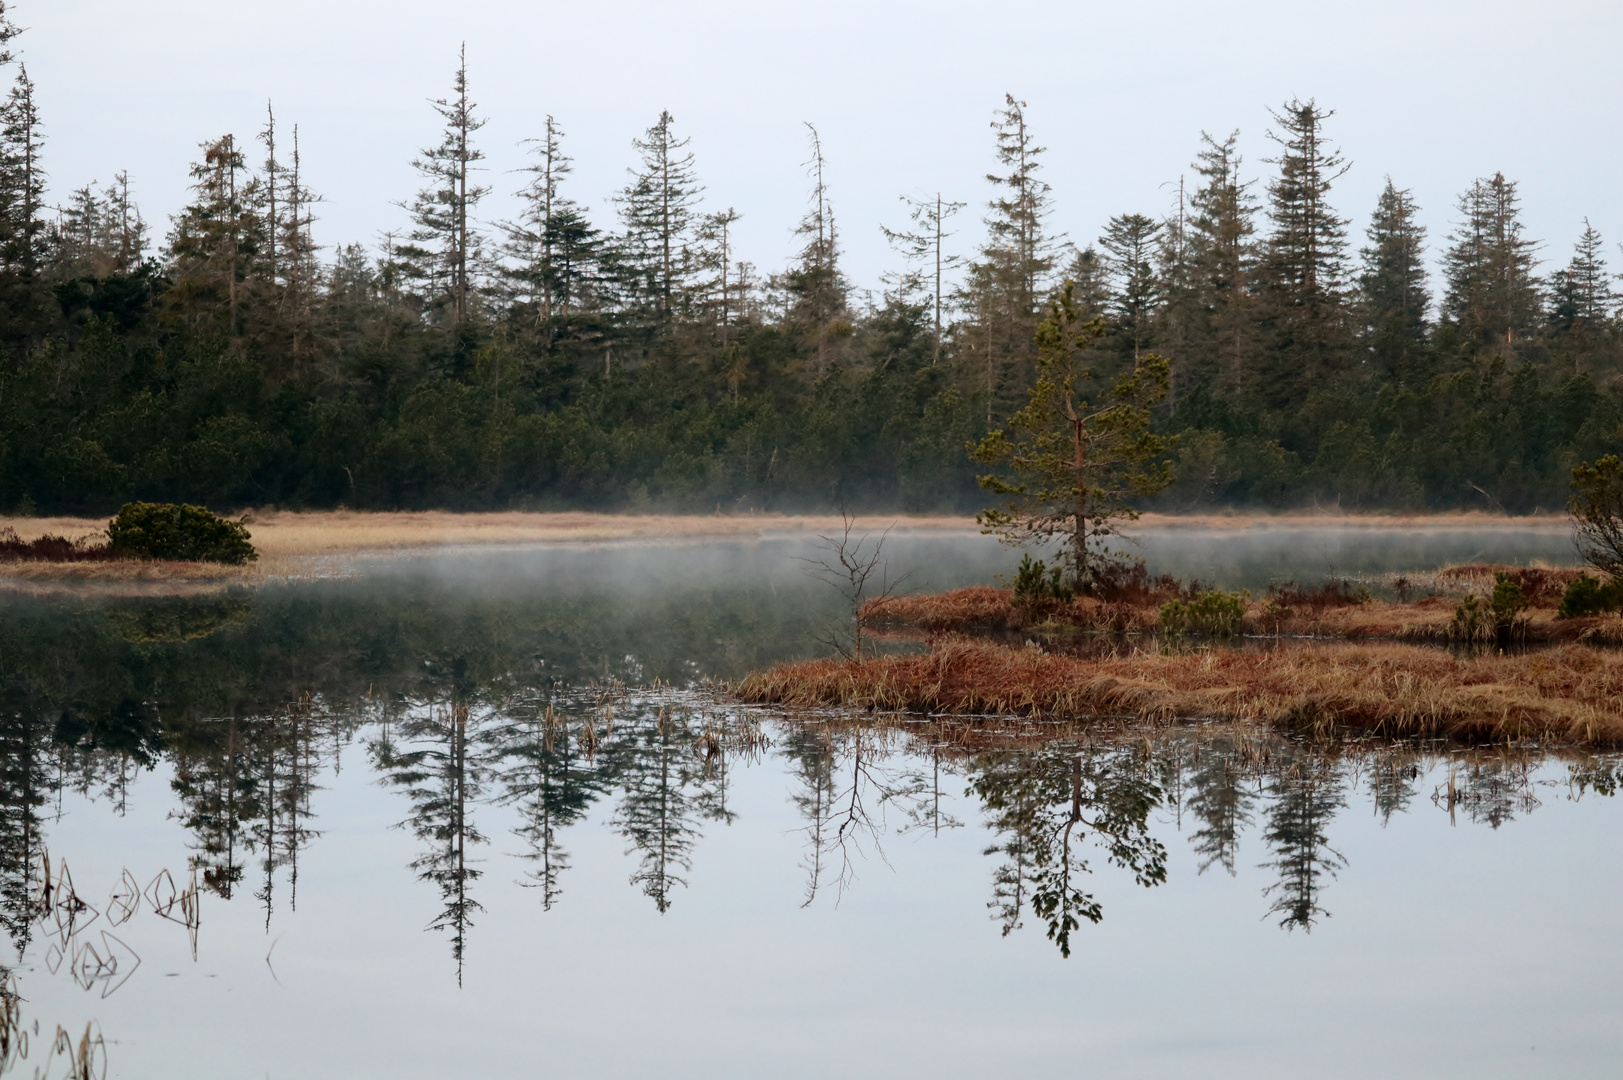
(1569, 695)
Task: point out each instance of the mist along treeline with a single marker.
(625, 356)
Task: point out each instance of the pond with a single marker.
(480, 814)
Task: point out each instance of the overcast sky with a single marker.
(1432, 93)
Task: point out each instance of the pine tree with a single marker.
(446, 248)
(1221, 259)
(817, 289)
(657, 210)
(1004, 287)
(24, 232)
(1130, 242)
(715, 256)
(1581, 292)
(212, 241)
(924, 249)
(1303, 267)
(1081, 451)
(1392, 290)
(555, 254)
(1492, 296)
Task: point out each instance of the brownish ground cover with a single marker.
(1570, 694)
(1334, 610)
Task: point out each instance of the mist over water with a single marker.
(475, 814)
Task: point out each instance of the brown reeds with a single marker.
(1567, 695)
(50, 547)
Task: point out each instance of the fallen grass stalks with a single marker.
(1568, 695)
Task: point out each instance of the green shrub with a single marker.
(1213, 614)
(181, 533)
(1035, 582)
(1508, 601)
(1589, 596)
(1500, 617)
(1471, 621)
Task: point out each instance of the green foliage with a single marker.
(1035, 583)
(1471, 621)
(1500, 616)
(168, 531)
(1508, 601)
(1211, 614)
(1073, 460)
(1589, 596)
(1597, 511)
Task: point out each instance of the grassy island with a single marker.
(1332, 661)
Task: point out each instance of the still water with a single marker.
(478, 815)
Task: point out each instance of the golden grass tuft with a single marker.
(1567, 695)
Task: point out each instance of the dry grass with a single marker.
(1568, 695)
(1332, 611)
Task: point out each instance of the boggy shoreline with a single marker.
(1334, 611)
(1566, 695)
(1371, 668)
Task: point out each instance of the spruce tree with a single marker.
(1493, 296)
(555, 254)
(1221, 258)
(212, 240)
(1005, 286)
(1303, 267)
(817, 289)
(1130, 242)
(657, 210)
(1393, 296)
(446, 249)
(923, 246)
(1581, 292)
(24, 233)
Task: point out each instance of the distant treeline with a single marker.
(560, 360)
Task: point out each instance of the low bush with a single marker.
(1034, 583)
(1590, 596)
(1502, 616)
(1211, 614)
(168, 531)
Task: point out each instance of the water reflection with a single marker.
(510, 725)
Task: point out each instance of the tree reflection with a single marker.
(553, 782)
(1043, 804)
(436, 757)
(663, 794)
(1221, 801)
(1306, 793)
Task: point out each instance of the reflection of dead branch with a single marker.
(125, 900)
(165, 899)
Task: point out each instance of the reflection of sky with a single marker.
(1450, 950)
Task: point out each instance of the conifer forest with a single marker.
(625, 356)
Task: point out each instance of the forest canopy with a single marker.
(626, 356)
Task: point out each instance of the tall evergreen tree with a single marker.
(555, 254)
(1581, 292)
(24, 231)
(1004, 290)
(1130, 242)
(818, 291)
(1303, 266)
(1392, 289)
(1221, 258)
(1493, 295)
(923, 246)
(658, 212)
(212, 241)
(446, 250)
